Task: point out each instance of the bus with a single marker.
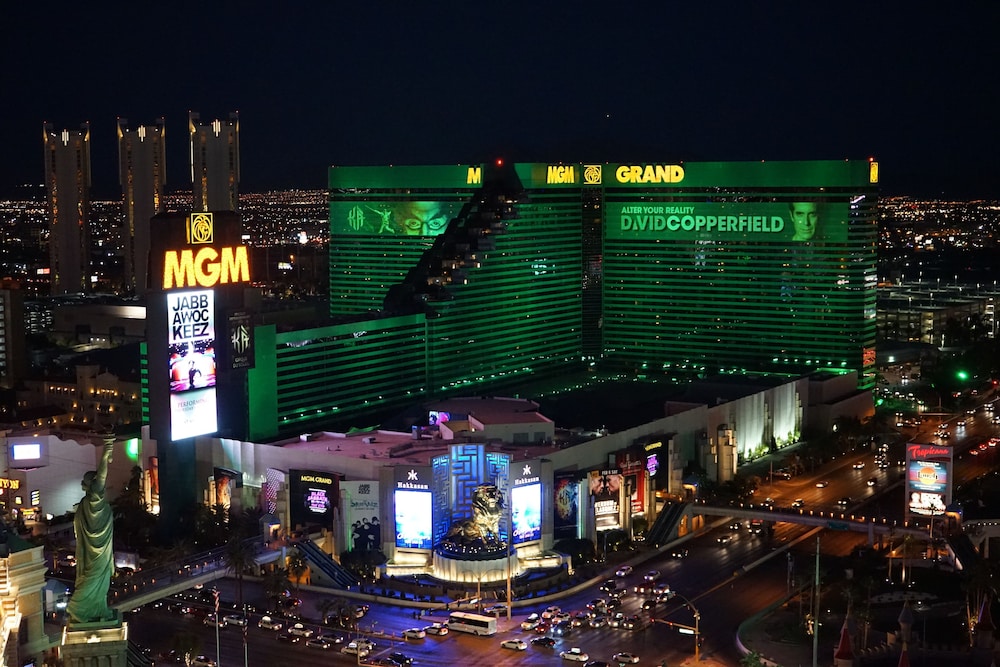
(475, 624)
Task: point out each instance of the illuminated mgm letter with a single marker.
(205, 268)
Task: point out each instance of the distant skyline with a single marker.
(395, 83)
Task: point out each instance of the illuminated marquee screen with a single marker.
(395, 218)
(605, 487)
(928, 479)
(413, 519)
(191, 362)
(567, 501)
(526, 512)
(312, 496)
(792, 221)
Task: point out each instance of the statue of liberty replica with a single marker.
(93, 524)
(95, 634)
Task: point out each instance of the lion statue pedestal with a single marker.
(473, 550)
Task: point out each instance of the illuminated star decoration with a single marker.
(411, 476)
(527, 470)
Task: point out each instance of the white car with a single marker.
(236, 619)
(414, 633)
(354, 649)
(215, 622)
(514, 644)
(268, 623)
(531, 622)
(625, 657)
(575, 654)
(202, 661)
(652, 575)
(623, 571)
(550, 612)
(436, 629)
(300, 630)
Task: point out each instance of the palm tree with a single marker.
(239, 557)
(297, 567)
(275, 583)
(980, 585)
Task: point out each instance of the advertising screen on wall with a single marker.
(414, 507)
(312, 495)
(413, 519)
(566, 503)
(360, 506)
(392, 218)
(191, 363)
(928, 479)
(526, 512)
(605, 487)
(633, 469)
(793, 221)
(27, 453)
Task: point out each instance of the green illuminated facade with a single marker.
(471, 279)
(740, 267)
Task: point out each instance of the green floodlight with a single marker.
(962, 375)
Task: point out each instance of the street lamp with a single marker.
(687, 629)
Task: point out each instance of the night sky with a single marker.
(349, 83)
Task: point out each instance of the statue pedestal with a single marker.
(103, 643)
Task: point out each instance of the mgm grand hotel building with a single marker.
(471, 279)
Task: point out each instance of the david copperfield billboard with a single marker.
(928, 479)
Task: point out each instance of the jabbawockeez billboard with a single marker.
(191, 358)
(199, 269)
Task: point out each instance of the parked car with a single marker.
(514, 644)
